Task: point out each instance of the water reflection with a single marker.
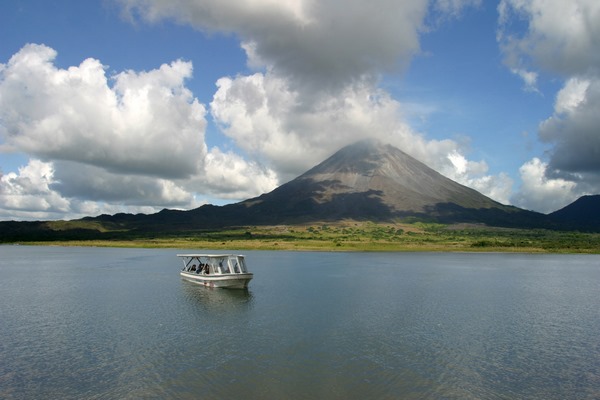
(217, 299)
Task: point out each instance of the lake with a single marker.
(100, 323)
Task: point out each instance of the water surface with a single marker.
(101, 323)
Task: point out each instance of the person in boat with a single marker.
(193, 267)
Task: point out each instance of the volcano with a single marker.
(371, 181)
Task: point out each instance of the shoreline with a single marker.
(304, 247)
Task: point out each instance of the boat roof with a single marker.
(209, 255)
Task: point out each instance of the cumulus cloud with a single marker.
(540, 192)
(529, 78)
(75, 180)
(146, 123)
(474, 174)
(229, 176)
(573, 129)
(134, 139)
(315, 44)
(561, 36)
(29, 192)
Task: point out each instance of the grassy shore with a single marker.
(364, 236)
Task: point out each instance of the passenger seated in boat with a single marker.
(193, 267)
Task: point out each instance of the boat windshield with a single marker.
(239, 267)
(224, 266)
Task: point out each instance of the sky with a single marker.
(134, 106)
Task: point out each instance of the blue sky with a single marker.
(138, 105)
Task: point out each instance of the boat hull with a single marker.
(228, 281)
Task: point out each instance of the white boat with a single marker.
(216, 270)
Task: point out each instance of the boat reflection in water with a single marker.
(215, 300)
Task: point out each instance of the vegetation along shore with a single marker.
(350, 236)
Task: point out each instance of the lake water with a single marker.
(97, 323)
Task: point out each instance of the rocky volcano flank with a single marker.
(399, 181)
(372, 181)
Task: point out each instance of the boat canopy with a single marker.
(214, 263)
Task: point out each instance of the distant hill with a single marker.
(366, 181)
(583, 213)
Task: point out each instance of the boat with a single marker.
(216, 270)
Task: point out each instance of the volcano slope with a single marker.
(372, 181)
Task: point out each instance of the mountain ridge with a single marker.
(583, 213)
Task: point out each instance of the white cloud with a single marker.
(135, 144)
(37, 191)
(75, 180)
(147, 123)
(540, 192)
(573, 129)
(571, 96)
(529, 78)
(443, 10)
(454, 7)
(315, 44)
(474, 174)
(229, 176)
(561, 36)
(28, 191)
